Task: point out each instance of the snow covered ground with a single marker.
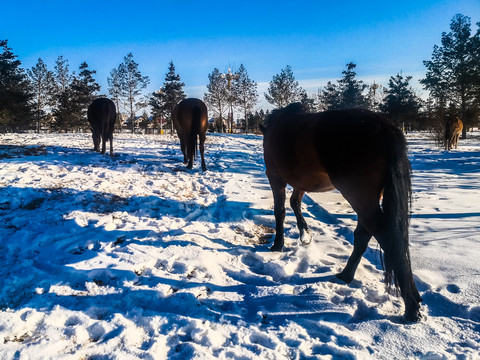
(137, 258)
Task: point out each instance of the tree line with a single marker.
(56, 100)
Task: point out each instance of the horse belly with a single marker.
(310, 181)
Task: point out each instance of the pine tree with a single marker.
(41, 80)
(256, 119)
(61, 96)
(401, 104)
(346, 94)
(284, 89)
(85, 86)
(173, 92)
(16, 112)
(115, 91)
(452, 73)
(157, 102)
(129, 83)
(309, 103)
(83, 91)
(62, 76)
(216, 97)
(245, 92)
(351, 90)
(330, 97)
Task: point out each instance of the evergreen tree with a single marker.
(63, 109)
(347, 94)
(351, 90)
(41, 80)
(157, 102)
(284, 89)
(83, 90)
(16, 112)
(452, 73)
(216, 97)
(115, 91)
(245, 92)
(308, 102)
(173, 92)
(66, 112)
(130, 84)
(256, 119)
(401, 104)
(330, 97)
(85, 86)
(61, 76)
(475, 44)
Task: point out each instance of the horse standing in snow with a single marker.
(101, 115)
(362, 155)
(453, 129)
(190, 119)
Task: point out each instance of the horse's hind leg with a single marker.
(278, 189)
(402, 271)
(398, 261)
(361, 237)
(104, 140)
(190, 154)
(202, 151)
(111, 145)
(184, 149)
(296, 204)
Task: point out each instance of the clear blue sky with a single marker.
(316, 38)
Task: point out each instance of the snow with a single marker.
(137, 258)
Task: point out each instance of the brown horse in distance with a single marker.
(101, 115)
(362, 155)
(190, 119)
(453, 129)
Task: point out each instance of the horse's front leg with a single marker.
(278, 189)
(361, 237)
(296, 204)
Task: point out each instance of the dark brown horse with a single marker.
(101, 115)
(190, 118)
(363, 156)
(453, 130)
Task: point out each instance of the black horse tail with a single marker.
(195, 131)
(396, 207)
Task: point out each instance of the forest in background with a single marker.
(43, 100)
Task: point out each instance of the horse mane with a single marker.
(292, 109)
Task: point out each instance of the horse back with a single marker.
(189, 115)
(102, 115)
(317, 152)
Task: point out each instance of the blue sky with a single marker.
(316, 38)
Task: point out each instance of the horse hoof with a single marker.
(305, 237)
(413, 316)
(276, 248)
(347, 279)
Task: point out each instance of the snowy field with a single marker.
(137, 258)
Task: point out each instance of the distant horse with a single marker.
(101, 115)
(453, 129)
(362, 155)
(190, 119)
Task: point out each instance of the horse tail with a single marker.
(195, 131)
(396, 205)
